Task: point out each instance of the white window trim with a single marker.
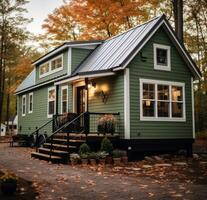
(49, 89)
(63, 88)
(156, 118)
(30, 111)
(24, 97)
(161, 67)
(50, 67)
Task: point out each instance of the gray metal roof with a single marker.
(114, 51)
(28, 82)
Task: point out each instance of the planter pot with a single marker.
(93, 161)
(8, 188)
(109, 160)
(117, 161)
(84, 161)
(124, 160)
(74, 162)
(102, 161)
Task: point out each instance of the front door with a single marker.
(81, 99)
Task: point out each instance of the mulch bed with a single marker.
(25, 191)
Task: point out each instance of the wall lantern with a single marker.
(91, 84)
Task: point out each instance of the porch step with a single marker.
(42, 156)
(54, 152)
(71, 136)
(58, 141)
(59, 146)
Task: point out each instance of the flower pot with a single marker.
(102, 161)
(84, 161)
(109, 160)
(117, 161)
(124, 160)
(93, 161)
(8, 188)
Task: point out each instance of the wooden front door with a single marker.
(81, 99)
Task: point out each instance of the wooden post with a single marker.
(86, 83)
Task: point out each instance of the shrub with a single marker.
(84, 155)
(92, 155)
(106, 145)
(84, 149)
(74, 157)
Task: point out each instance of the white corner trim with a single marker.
(49, 89)
(162, 67)
(61, 107)
(126, 104)
(156, 118)
(69, 66)
(30, 111)
(193, 111)
(24, 97)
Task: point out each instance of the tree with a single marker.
(95, 19)
(11, 35)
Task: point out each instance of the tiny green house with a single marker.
(142, 77)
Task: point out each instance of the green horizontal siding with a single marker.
(179, 72)
(115, 102)
(56, 74)
(78, 55)
(29, 122)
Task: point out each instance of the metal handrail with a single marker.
(61, 128)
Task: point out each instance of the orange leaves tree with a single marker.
(95, 19)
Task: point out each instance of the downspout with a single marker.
(57, 91)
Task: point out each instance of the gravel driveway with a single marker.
(54, 181)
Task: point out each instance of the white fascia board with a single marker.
(62, 48)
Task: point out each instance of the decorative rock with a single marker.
(195, 156)
(180, 163)
(149, 159)
(146, 166)
(136, 169)
(163, 165)
(157, 158)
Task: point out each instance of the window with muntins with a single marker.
(64, 99)
(51, 66)
(30, 102)
(162, 57)
(23, 105)
(51, 101)
(162, 100)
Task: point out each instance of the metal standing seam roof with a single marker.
(113, 52)
(29, 81)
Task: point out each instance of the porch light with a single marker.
(91, 84)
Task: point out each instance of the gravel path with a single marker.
(63, 182)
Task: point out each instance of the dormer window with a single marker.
(162, 57)
(51, 66)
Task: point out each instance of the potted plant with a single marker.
(117, 154)
(102, 157)
(107, 147)
(74, 158)
(8, 183)
(84, 158)
(92, 157)
(106, 124)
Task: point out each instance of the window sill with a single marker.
(153, 119)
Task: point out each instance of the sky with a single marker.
(39, 10)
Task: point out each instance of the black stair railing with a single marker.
(77, 124)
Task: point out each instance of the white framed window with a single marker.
(64, 99)
(51, 107)
(162, 57)
(23, 105)
(52, 66)
(30, 103)
(162, 100)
